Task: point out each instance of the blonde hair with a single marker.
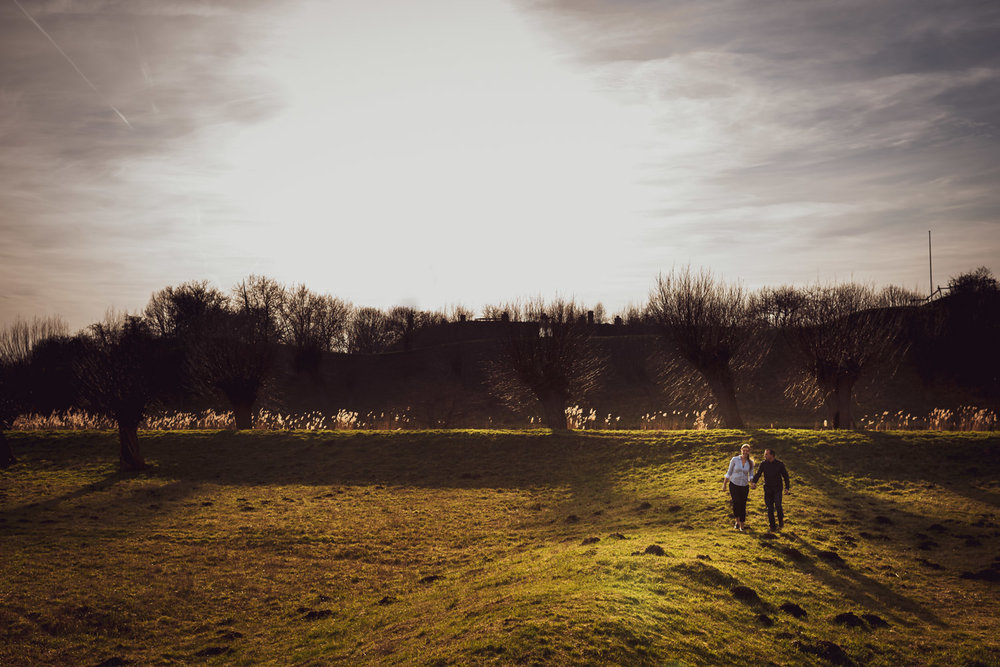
(747, 445)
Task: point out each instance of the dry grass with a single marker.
(468, 547)
(966, 418)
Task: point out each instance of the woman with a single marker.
(738, 478)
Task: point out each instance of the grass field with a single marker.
(459, 547)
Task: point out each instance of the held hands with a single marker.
(753, 485)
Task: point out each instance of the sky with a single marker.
(449, 152)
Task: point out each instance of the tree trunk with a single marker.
(724, 391)
(845, 392)
(243, 414)
(554, 413)
(131, 458)
(838, 404)
(6, 455)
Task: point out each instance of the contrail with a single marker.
(70, 61)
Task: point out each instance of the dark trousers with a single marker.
(739, 494)
(772, 499)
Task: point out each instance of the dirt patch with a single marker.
(831, 557)
(991, 574)
(745, 594)
(794, 554)
(849, 619)
(826, 650)
(930, 564)
(793, 609)
(875, 621)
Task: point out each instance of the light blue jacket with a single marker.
(739, 473)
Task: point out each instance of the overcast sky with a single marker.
(445, 151)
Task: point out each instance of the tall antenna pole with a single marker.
(930, 262)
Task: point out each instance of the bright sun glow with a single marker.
(449, 156)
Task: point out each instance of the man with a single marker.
(773, 471)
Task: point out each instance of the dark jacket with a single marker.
(773, 472)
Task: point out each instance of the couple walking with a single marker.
(741, 478)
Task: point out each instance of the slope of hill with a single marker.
(497, 547)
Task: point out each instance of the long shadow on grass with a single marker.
(437, 459)
(136, 508)
(884, 457)
(584, 468)
(861, 589)
(929, 457)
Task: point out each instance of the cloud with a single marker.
(828, 123)
(86, 197)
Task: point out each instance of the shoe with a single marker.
(781, 523)
(736, 525)
(773, 528)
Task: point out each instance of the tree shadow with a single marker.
(859, 588)
(142, 503)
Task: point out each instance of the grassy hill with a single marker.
(459, 547)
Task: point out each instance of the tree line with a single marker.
(194, 342)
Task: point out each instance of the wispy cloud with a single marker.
(849, 128)
(84, 200)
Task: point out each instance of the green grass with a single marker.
(459, 547)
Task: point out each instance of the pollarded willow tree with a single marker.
(236, 356)
(227, 341)
(123, 370)
(843, 333)
(712, 326)
(551, 362)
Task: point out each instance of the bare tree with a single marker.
(781, 306)
(631, 315)
(507, 311)
(551, 361)
(369, 332)
(17, 343)
(259, 300)
(711, 325)
(233, 360)
(313, 324)
(122, 371)
(331, 328)
(230, 344)
(843, 332)
(401, 322)
(456, 313)
(181, 311)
